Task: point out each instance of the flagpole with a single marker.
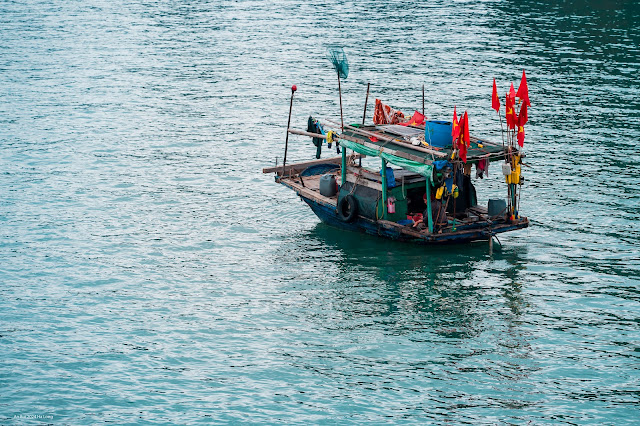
(286, 140)
(512, 144)
(340, 93)
(501, 128)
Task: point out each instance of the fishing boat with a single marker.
(420, 188)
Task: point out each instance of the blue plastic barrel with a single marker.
(496, 207)
(438, 133)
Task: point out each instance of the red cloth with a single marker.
(495, 102)
(416, 120)
(523, 90)
(384, 114)
(379, 116)
(512, 93)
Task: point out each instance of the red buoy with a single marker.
(294, 88)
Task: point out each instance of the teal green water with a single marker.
(150, 273)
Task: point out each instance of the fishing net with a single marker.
(339, 60)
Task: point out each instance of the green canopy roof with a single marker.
(360, 142)
(414, 166)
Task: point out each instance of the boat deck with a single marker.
(389, 137)
(308, 187)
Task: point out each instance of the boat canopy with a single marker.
(414, 166)
(388, 143)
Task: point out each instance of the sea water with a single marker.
(150, 273)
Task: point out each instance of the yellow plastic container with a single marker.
(514, 177)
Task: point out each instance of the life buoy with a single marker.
(348, 208)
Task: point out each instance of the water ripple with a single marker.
(152, 274)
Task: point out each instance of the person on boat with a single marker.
(438, 214)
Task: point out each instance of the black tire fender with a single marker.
(348, 208)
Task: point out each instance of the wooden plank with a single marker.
(309, 193)
(303, 133)
(388, 139)
(305, 164)
(403, 229)
(479, 209)
(484, 141)
(364, 173)
(399, 174)
(361, 181)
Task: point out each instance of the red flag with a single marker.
(523, 117)
(523, 90)
(495, 102)
(462, 150)
(511, 111)
(521, 135)
(455, 126)
(467, 140)
(416, 120)
(512, 93)
(463, 140)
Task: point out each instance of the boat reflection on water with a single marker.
(452, 287)
(431, 313)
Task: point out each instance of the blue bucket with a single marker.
(438, 133)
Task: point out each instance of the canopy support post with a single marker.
(383, 173)
(344, 165)
(429, 215)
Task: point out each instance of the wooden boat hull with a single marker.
(326, 210)
(464, 234)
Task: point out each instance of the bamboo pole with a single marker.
(366, 100)
(340, 93)
(501, 128)
(303, 133)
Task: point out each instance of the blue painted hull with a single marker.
(327, 214)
